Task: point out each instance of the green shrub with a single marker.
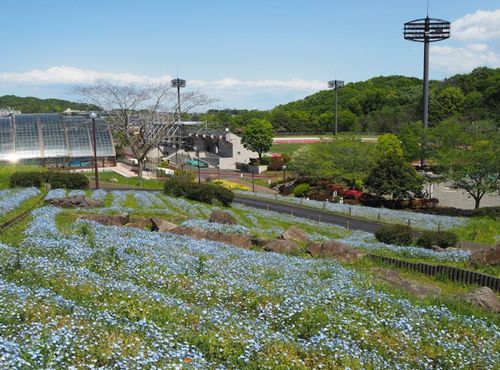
(224, 195)
(176, 188)
(55, 179)
(395, 234)
(301, 190)
(491, 212)
(426, 239)
(443, 239)
(205, 193)
(67, 180)
(26, 179)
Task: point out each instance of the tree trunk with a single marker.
(477, 201)
(139, 170)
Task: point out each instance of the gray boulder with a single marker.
(239, 240)
(486, 257)
(161, 225)
(282, 246)
(484, 298)
(77, 201)
(118, 220)
(294, 233)
(222, 217)
(334, 249)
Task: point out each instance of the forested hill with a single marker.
(35, 105)
(383, 104)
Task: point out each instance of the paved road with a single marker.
(335, 219)
(313, 214)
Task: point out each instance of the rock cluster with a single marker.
(239, 240)
(486, 257)
(77, 201)
(334, 249)
(118, 220)
(222, 217)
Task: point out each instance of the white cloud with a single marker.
(71, 75)
(463, 59)
(480, 26)
(64, 75)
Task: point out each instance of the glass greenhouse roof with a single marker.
(52, 135)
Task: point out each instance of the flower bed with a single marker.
(366, 241)
(55, 193)
(214, 226)
(136, 299)
(12, 199)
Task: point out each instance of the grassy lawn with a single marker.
(285, 148)
(480, 230)
(7, 170)
(115, 179)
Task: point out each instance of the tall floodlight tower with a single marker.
(426, 30)
(335, 85)
(178, 83)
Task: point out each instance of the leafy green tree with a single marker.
(258, 136)
(410, 135)
(389, 145)
(475, 169)
(450, 100)
(392, 176)
(446, 135)
(342, 160)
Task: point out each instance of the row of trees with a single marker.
(473, 166)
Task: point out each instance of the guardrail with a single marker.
(453, 273)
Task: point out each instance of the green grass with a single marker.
(285, 148)
(7, 170)
(14, 235)
(480, 230)
(450, 290)
(107, 177)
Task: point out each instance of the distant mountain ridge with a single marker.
(380, 104)
(32, 104)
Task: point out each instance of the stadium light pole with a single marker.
(178, 83)
(426, 30)
(93, 116)
(335, 85)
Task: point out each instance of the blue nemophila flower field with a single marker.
(98, 296)
(12, 199)
(213, 226)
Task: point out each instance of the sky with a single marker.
(251, 54)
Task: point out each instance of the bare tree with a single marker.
(142, 115)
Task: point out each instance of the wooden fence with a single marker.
(453, 273)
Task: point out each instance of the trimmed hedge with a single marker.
(205, 193)
(65, 180)
(26, 179)
(395, 234)
(443, 239)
